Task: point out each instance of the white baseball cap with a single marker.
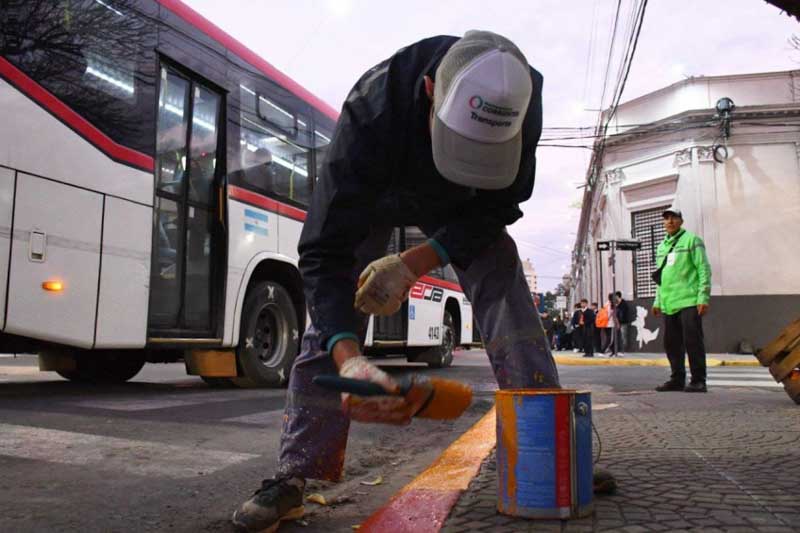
(481, 95)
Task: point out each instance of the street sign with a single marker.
(628, 244)
(624, 244)
(561, 302)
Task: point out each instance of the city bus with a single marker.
(154, 179)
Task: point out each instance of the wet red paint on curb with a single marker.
(413, 511)
(423, 505)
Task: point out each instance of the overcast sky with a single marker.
(325, 45)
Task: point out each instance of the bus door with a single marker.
(186, 269)
(392, 327)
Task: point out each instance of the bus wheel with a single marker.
(104, 366)
(268, 338)
(438, 356)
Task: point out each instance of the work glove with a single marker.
(387, 409)
(383, 286)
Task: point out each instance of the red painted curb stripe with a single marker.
(259, 200)
(204, 25)
(83, 127)
(424, 504)
(413, 511)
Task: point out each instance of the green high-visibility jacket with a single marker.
(686, 278)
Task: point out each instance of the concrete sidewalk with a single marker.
(650, 359)
(725, 461)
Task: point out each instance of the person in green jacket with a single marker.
(682, 297)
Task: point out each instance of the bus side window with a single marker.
(270, 161)
(450, 274)
(322, 141)
(257, 169)
(97, 57)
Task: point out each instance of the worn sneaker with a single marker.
(669, 386)
(277, 499)
(698, 386)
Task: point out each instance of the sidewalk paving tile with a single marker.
(724, 462)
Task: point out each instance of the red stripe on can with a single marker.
(563, 446)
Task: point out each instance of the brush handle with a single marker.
(359, 387)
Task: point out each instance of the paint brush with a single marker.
(443, 399)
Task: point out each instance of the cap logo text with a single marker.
(479, 104)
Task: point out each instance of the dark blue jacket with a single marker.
(380, 172)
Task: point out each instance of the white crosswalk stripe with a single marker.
(150, 404)
(740, 377)
(262, 418)
(138, 457)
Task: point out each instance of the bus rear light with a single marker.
(53, 286)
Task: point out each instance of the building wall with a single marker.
(747, 208)
(731, 320)
(773, 88)
(530, 275)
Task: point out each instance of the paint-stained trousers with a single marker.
(315, 428)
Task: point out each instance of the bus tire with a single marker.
(268, 338)
(440, 356)
(104, 366)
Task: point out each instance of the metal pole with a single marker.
(600, 273)
(613, 293)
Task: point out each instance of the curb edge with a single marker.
(424, 504)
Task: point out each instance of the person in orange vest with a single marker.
(607, 323)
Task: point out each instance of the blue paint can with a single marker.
(544, 453)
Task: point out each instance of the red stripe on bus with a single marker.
(259, 200)
(441, 283)
(83, 127)
(204, 25)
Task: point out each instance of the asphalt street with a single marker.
(166, 452)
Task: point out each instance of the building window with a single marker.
(647, 227)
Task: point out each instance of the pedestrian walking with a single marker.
(609, 331)
(597, 338)
(563, 332)
(549, 326)
(589, 318)
(684, 289)
(577, 327)
(625, 317)
(442, 135)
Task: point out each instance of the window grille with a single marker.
(647, 227)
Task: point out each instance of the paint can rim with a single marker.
(538, 392)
